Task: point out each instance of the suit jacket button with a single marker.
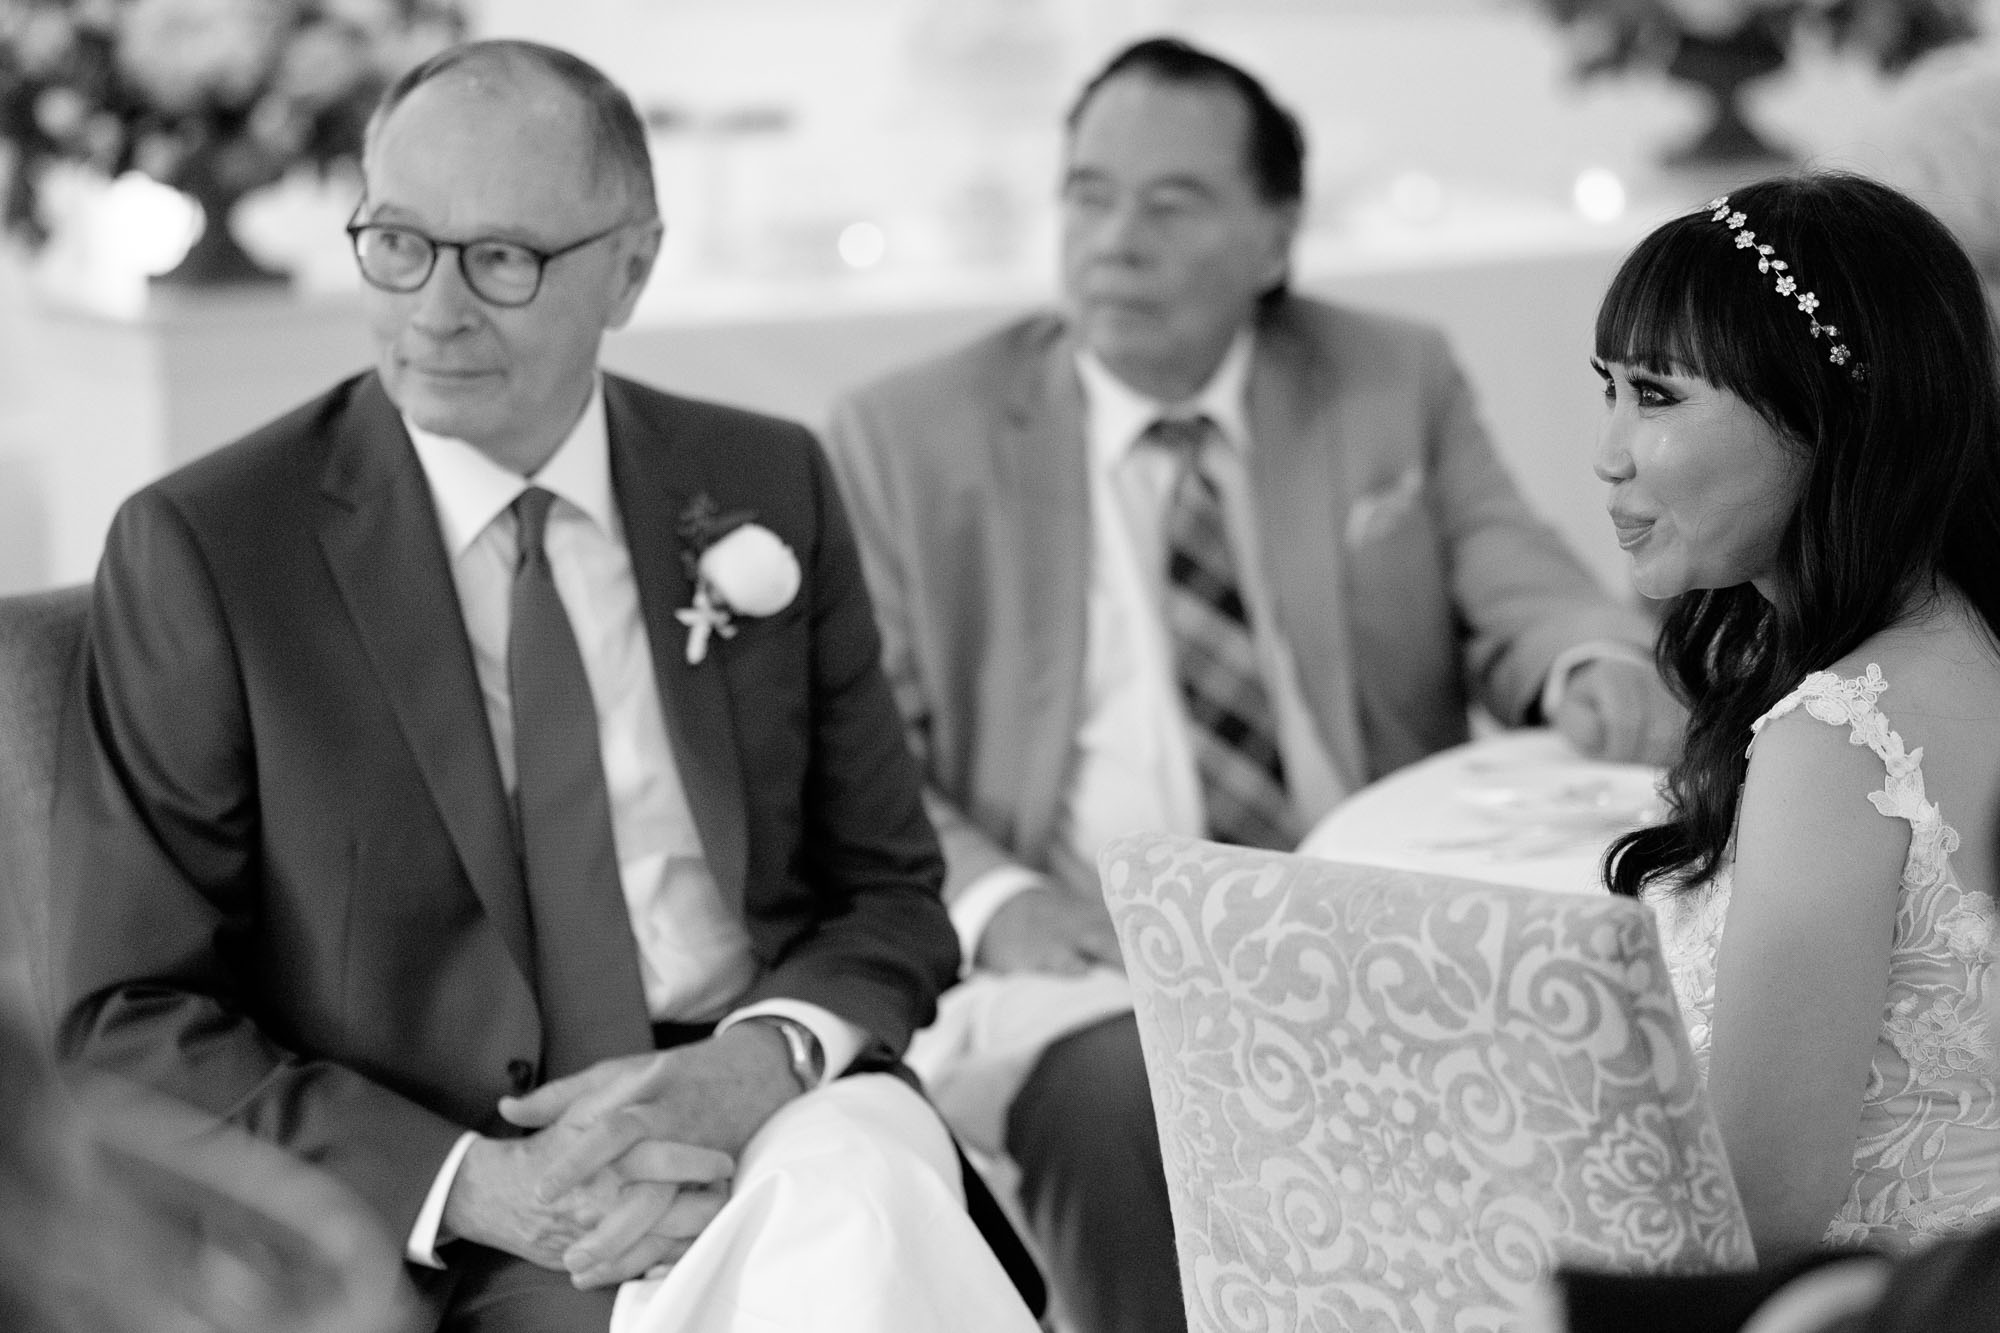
(521, 1073)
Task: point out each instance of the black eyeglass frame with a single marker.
(356, 230)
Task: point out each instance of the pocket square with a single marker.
(1379, 510)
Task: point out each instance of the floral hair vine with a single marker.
(1787, 285)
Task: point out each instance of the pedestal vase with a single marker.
(1724, 67)
(217, 259)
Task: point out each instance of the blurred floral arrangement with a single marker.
(1723, 44)
(1615, 35)
(213, 97)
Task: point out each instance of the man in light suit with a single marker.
(441, 810)
(1043, 548)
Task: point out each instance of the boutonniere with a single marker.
(738, 567)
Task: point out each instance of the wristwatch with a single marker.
(801, 1048)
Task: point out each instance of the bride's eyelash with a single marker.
(1646, 389)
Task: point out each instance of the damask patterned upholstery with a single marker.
(1394, 1101)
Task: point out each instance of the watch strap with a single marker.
(802, 1048)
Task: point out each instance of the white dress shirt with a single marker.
(694, 952)
(1135, 766)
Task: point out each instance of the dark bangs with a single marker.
(1901, 489)
(1677, 307)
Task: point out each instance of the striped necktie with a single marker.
(1215, 654)
(593, 1002)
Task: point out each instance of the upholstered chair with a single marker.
(1395, 1101)
(141, 1214)
(41, 636)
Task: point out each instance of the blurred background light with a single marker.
(1599, 195)
(862, 244)
(1416, 196)
(147, 226)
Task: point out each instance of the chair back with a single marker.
(1397, 1101)
(41, 641)
(122, 1210)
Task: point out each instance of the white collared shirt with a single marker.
(694, 952)
(1134, 767)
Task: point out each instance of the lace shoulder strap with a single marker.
(1851, 703)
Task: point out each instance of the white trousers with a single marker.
(847, 1215)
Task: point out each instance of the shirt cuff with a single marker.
(1556, 684)
(974, 909)
(839, 1040)
(421, 1247)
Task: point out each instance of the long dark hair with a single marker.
(1900, 449)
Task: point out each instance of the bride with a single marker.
(1802, 445)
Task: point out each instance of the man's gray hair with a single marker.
(617, 133)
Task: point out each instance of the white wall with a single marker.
(1473, 91)
(936, 121)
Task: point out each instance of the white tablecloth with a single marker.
(1520, 807)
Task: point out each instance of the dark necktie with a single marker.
(586, 963)
(1215, 655)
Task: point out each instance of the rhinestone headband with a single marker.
(1787, 285)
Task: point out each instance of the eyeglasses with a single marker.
(396, 258)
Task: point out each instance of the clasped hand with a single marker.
(627, 1162)
(1046, 930)
(1617, 709)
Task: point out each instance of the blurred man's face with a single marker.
(501, 155)
(1166, 242)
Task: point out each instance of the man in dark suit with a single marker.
(1197, 554)
(491, 722)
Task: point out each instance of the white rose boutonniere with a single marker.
(738, 566)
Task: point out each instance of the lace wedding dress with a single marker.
(1927, 1153)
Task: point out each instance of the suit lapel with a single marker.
(380, 537)
(1301, 494)
(655, 472)
(1044, 465)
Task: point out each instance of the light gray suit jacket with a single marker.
(1393, 539)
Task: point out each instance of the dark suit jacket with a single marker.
(1394, 543)
(284, 865)
(1950, 1286)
